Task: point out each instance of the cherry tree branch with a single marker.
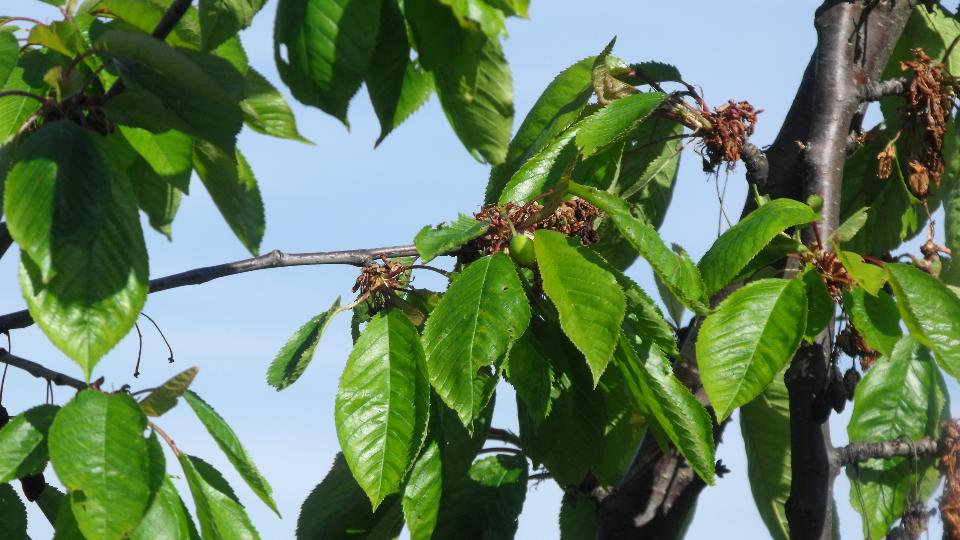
(40, 371)
(860, 452)
(875, 90)
(274, 259)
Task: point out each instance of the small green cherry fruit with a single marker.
(521, 250)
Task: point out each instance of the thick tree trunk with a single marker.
(855, 40)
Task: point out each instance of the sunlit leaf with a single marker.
(748, 339)
(99, 453)
(231, 446)
(383, 404)
(163, 398)
(297, 353)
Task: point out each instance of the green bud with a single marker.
(815, 202)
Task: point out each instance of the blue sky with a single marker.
(342, 194)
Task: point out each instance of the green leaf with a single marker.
(765, 426)
(875, 317)
(931, 312)
(13, 514)
(624, 430)
(323, 48)
(297, 353)
(616, 120)
(556, 109)
(26, 76)
(99, 453)
(397, 85)
(167, 518)
(676, 270)
(578, 518)
(748, 339)
(337, 509)
(867, 275)
(590, 302)
(432, 242)
(891, 216)
(231, 446)
(477, 96)
(230, 182)
(162, 75)
(481, 314)
(903, 396)
(156, 196)
(146, 14)
(9, 52)
(23, 445)
(479, 15)
(567, 440)
(222, 19)
(674, 307)
(489, 500)
(543, 171)
(164, 398)
(643, 320)
(383, 404)
(658, 72)
(646, 176)
(266, 111)
(529, 371)
(220, 514)
(83, 260)
(850, 227)
(422, 492)
(650, 380)
(820, 305)
(169, 154)
(739, 244)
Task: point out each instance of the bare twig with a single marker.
(274, 259)
(860, 452)
(503, 435)
(40, 371)
(22, 93)
(875, 90)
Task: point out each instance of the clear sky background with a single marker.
(343, 194)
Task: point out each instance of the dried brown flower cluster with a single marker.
(851, 342)
(829, 267)
(950, 502)
(377, 281)
(733, 124)
(574, 217)
(929, 101)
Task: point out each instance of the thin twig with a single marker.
(21, 19)
(500, 450)
(860, 452)
(40, 371)
(163, 435)
(163, 337)
(432, 269)
(274, 259)
(503, 435)
(136, 368)
(536, 477)
(875, 90)
(21, 93)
